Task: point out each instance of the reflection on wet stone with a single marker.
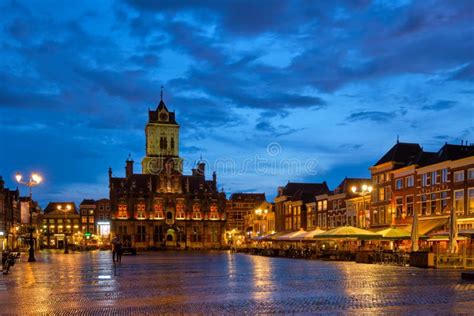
(221, 282)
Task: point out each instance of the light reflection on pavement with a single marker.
(223, 283)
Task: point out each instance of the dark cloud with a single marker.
(375, 116)
(440, 105)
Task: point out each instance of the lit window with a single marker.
(459, 201)
(470, 203)
(424, 180)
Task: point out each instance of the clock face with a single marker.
(163, 117)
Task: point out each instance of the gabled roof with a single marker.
(295, 188)
(153, 115)
(88, 202)
(454, 152)
(402, 154)
(248, 197)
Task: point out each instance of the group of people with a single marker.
(117, 249)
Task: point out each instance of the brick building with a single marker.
(291, 203)
(60, 220)
(161, 207)
(408, 180)
(238, 206)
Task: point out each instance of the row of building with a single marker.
(162, 207)
(403, 181)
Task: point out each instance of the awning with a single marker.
(347, 232)
(426, 226)
(279, 234)
(310, 235)
(291, 236)
(393, 233)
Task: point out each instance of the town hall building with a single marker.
(161, 207)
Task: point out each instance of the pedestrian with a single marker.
(115, 247)
(119, 250)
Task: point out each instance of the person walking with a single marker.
(119, 250)
(116, 247)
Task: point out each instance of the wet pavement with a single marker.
(225, 283)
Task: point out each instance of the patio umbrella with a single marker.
(414, 233)
(453, 232)
(393, 233)
(290, 236)
(347, 232)
(298, 236)
(310, 235)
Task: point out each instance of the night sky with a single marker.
(265, 91)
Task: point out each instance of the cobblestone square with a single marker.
(225, 283)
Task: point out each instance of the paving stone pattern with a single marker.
(224, 283)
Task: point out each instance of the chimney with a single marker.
(214, 181)
(2, 183)
(129, 167)
(110, 172)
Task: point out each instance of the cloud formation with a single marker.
(314, 76)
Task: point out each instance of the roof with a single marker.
(248, 197)
(401, 153)
(88, 202)
(453, 152)
(295, 188)
(153, 115)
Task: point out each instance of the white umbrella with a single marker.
(414, 233)
(453, 232)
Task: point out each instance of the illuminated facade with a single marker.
(161, 207)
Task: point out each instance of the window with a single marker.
(459, 176)
(423, 204)
(158, 234)
(399, 184)
(409, 203)
(399, 207)
(196, 235)
(381, 194)
(409, 181)
(459, 201)
(91, 220)
(470, 174)
(382, 214)
(470, 203)
(434, 209)
(434, 176)
(122, 211)
(325, 205)
(424, 180)
(91, 212)
(141, 235)
(444, 201)
(444, 175)
(320, 205)
(84, 220)
(375, 216)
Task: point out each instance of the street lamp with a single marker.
(65, 211)
(34, 180)
(363, 191)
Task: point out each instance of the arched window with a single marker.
(172, 143)
(165, 142)
(169, 215)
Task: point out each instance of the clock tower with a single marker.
(162, 141)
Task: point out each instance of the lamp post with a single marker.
(362, 191)
(259, 216)
(34, 180)
(65, 211)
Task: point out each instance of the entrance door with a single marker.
(170, 238)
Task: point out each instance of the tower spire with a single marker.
(161, 93)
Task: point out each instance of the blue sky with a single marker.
(265, 91)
